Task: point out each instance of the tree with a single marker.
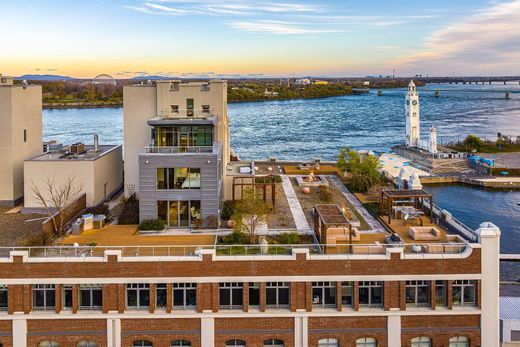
(473, 142)
(348, 160)
(55, 198)
(249, 213)
(364, 172)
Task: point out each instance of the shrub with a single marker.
(228, 210)
(37, 240)
(291, 238)
(236, 238)
(99, 209)
(212, 221)
(360, 183)
(130, 213)
(152, 224)
(325, 194)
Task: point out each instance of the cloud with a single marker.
(278, 27)
(486, 42)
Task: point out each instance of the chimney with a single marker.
(96, 142)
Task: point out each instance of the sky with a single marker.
(260, 38)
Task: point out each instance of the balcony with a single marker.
(177, 149)
(201, 113)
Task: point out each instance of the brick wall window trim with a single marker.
(66, 297)
(324, 294)
(347, 299)
(48, 343)
(43, 297)
(441, 292)
(366, 342)
(180, 343)
(370, 294)
(231, 295)
(254, 294)
(459, 341)
(277, 294)
(142, 343)
(138, 296)
(273, 343)
(464, 293)
(418, 293)
(184, 296)
(235, 343)
(161, 296)
(90, 297)
(328, 343)
(421, 341)
(3, 298)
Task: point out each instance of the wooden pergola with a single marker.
(330, 216)
(255, 182)
(417, 196)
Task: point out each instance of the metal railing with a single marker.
(178, 149)
(452, 223)
(236, 250)
(187, 113)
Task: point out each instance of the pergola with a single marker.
(389, 196)
(265, 183)
(330, 216)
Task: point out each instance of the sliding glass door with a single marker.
(179, 213)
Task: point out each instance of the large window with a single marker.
(161, 295)
(181, 343)
(48, 344)
(418, 293)
(346, 294)
(86, 343)
(273, 343)
(459, 341)
(324, 294)
(328, 343)
(189, 107)
(178, 178)
(371, 294)
(142, 343)
(464, 293)
(90, 297)
(235, 343)
(3, 297)
(184, 296)
(179, 213)
(254, 294)
(66, 297)
(44, 297)
(421, 341)
(277, 294)
(366, 342)
(138, 296)
(184, 137)
(231, 295)
(440, 293)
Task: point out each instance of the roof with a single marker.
(89, 154)
(331, 215)
(406, 193)
(510, 307)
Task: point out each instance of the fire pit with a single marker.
(311, 180)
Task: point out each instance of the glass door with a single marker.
(174, 214)
(184, 213)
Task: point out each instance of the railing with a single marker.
(236, 250)
(178, 149)
(186, 113)
(452, 223)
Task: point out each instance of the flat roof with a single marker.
(510, 308)
(88, 155)
(157, 121)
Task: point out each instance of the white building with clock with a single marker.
(413, 123)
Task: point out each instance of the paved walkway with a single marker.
(296, 209)
(374, 224)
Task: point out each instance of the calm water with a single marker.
(307, 129)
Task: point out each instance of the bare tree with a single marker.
(250, 212)
(56, 197)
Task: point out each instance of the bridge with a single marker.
(469, 79)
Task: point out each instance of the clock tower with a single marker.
(412, 116)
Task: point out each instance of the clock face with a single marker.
(414, 102)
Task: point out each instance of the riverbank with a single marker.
(66, 105)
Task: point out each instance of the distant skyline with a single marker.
(259, 38)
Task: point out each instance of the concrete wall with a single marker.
(108, 169)
(20, 109)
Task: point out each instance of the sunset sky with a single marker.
(227, 38)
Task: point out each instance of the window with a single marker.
(66, 296)
(328, 343)
(277, 294)
(324, 294)
(371, 294)
(459, 341)
(48, 344)
(174, 108)
(179, 213)
(184, 296)
(254, 294)
(142, 343)
(138, 296)
(231, 296)
(346, 294)
(464, 293)
(422, 341)
(3, 297)
(161, 294)
(273, 343)
(44, 297)
(178, 178)
(24, 135)
(179, 343)
(86, 343)
(189, 107)
(205, 109)
(418, 293)
(366, 342)
(183, 137)
(440, 293)
(235, 342)
(90, 297)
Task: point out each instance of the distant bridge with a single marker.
(469, 80)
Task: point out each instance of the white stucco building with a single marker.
(413, 123)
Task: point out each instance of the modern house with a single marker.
(176, 149)
(20, 135)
